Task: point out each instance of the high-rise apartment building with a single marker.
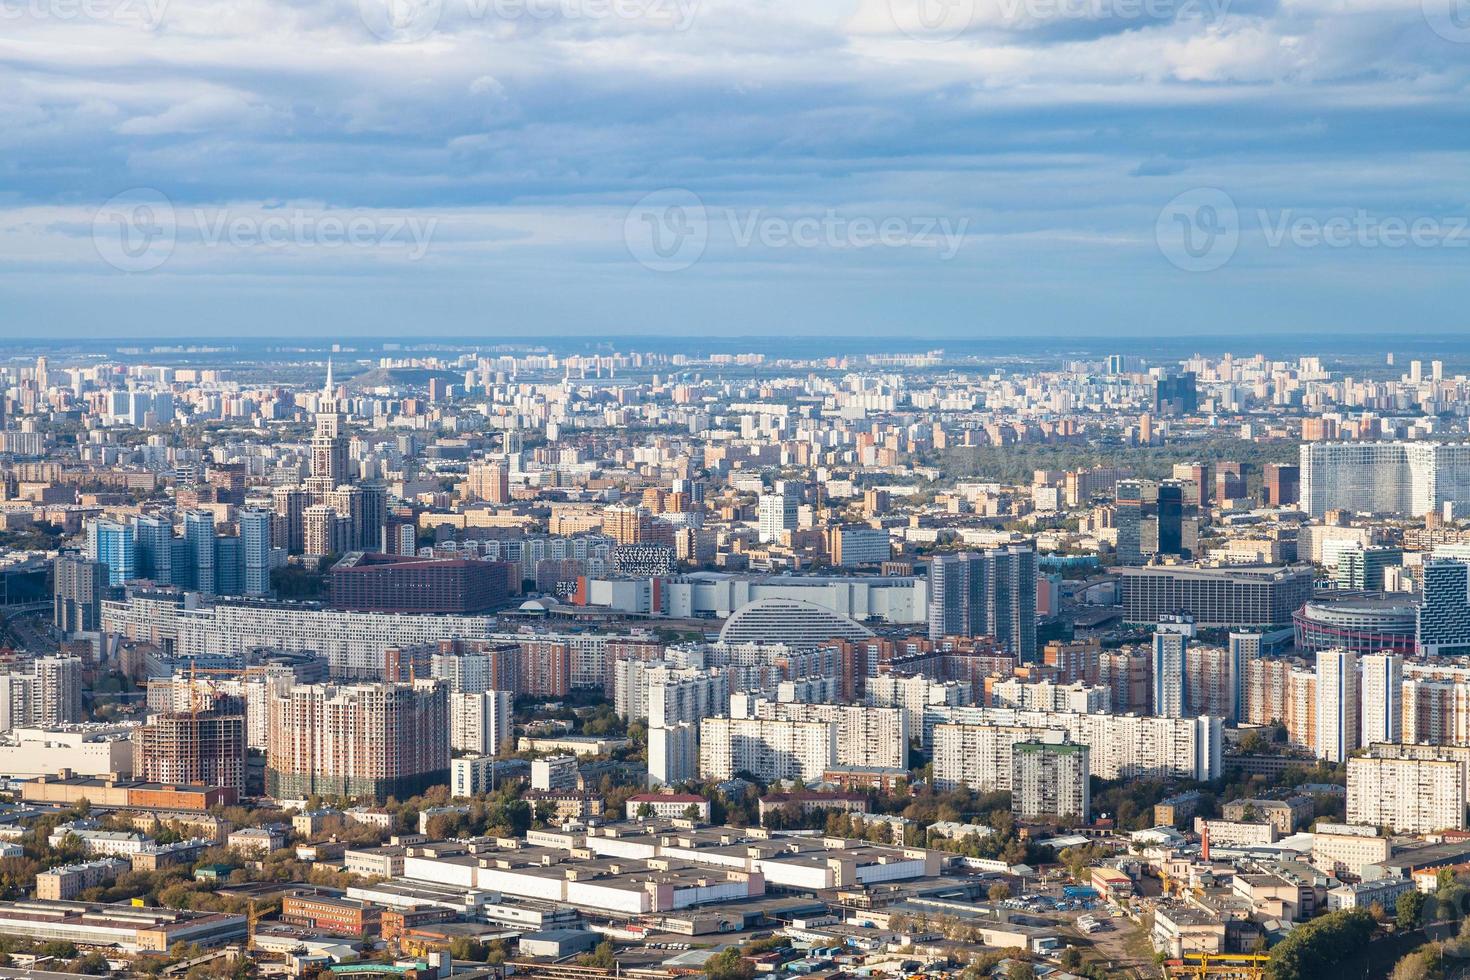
(480, 722)
(776, 513)
(1444, 612)
(1382, 698)
(624, 524)
(1408, 479)
(1170, 696)
(43, 693)
(368, 740)
(255, 552)
(205, 747)
(153, 545)
(1338, 711)
(989, 593)
(290, 506)
(1050, 781)
(198, 575)
(1408, 795)
(866, 736)
(111, 543)
(673, 754)
(490, 482)
(78, 587)
(979, 757)
(325, 532)
(768, 750)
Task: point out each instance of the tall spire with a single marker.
(327, 389)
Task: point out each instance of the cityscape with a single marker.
(569, 660)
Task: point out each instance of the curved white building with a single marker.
(798, 624)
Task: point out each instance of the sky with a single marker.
(874, 168)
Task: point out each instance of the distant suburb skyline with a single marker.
(689, 168)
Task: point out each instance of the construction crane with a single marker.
(194, 673)
(1218, 966)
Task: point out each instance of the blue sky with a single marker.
(873, 167)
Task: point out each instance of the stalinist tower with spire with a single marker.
(328, 444)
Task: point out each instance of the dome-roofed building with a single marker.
(798, 624)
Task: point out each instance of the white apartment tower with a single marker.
(1338, 714)
(1382, 697)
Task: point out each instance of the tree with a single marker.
(1421, 964)
(1070, 959)
(728, 964)
(1317, 948)
(1017, 970)
(604, 957)
(999, 892)
(645, 810)
(93, 964)
(1409, 909)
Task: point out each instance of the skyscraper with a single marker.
(989, 593)
(1128, 519)
(328, 443)
(1175, 394)
(776, 513)
(111, 543)
(199, 549)
(255, 552)
(1383, 694)
(78, 585)
(1338, 714)
(1171, 518)
(1170, 697)
(153, 537)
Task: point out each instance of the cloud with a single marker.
(527, 128)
